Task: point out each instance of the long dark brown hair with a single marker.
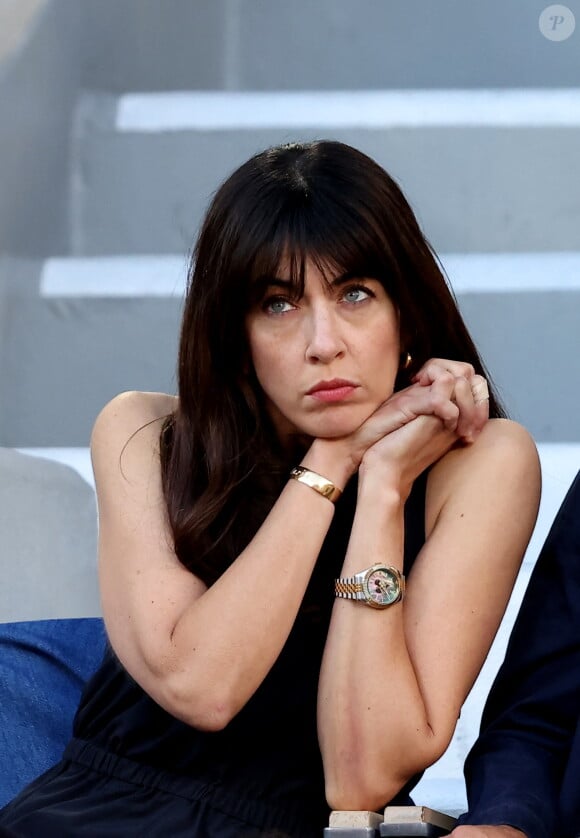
(325, 201)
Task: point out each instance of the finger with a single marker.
(480, 392)
(479, 389)
(435, 400)
(405, 405)
(473, 400)
(463, 397)
(435, 366)
(442, 403)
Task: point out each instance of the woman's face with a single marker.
(327, 360)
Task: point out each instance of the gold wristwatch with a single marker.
(378, 586)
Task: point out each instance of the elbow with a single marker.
(210, 718)
(360, 786)
(206, 709)
(362, 794)
(373, 784)
(193, 691)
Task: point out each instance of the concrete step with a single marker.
(78, 331)
(442, 785)
(250, 45)
(64, 355)
(486, 170)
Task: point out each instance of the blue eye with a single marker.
(356, 294)
(277, 305)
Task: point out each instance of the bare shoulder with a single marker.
(502, 463)
(129, 425)
(503, 436)
(502, 446)
(133, 407)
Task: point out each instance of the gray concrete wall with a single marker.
(16, 22)
(401, 44)
(39, 77)
(518, 204)
(156, 44)
(326, 44)
(49, 49)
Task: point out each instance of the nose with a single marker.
(324, 338)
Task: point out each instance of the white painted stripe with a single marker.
(509, 272)
(165, 276)
(230, 110)
(118, 276)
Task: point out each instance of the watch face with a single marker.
(382, 587)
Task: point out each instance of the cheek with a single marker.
(270, 365)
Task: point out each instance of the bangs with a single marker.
(336, 240)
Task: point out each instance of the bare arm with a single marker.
(393, 681)
(200, 653)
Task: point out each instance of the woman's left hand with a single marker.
(457, 412)
(470, 395)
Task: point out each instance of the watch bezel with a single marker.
(397, 577)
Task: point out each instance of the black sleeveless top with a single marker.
(265, 765)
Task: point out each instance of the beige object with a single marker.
(16, 20)
(342, 819)
(480, 390)
(418, 814)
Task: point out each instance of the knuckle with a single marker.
(447, 380)
(438, 400)
(469, 370)
(461, 383)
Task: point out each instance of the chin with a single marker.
(333, 429)
(331, 424)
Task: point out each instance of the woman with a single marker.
(245, 689)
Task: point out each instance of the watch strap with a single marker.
(348, 588)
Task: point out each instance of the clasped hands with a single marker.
(447, 403)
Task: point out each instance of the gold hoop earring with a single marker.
(407, 362)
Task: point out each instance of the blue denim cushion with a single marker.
(43, 667)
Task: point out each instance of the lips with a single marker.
(335, 390)
(334, 384)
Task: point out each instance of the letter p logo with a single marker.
(557, 23)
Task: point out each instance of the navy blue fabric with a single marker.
(44, 665)
(524, 769)
(134, 767)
